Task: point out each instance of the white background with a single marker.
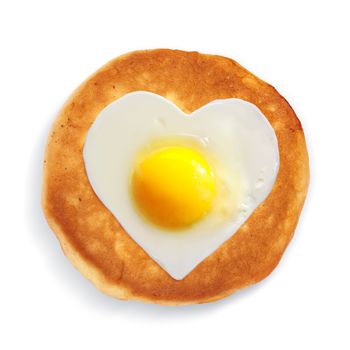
(49, 47)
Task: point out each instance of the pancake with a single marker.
(90, 235)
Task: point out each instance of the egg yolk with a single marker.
(173, 186)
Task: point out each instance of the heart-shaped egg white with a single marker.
(233, 130)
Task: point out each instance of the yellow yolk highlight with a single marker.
(173, 186)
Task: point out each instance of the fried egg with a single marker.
(180, 184)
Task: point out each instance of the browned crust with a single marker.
(93, 239)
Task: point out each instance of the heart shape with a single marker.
(124, 127)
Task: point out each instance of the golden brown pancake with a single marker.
(90, 235)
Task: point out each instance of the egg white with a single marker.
(234, 132)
